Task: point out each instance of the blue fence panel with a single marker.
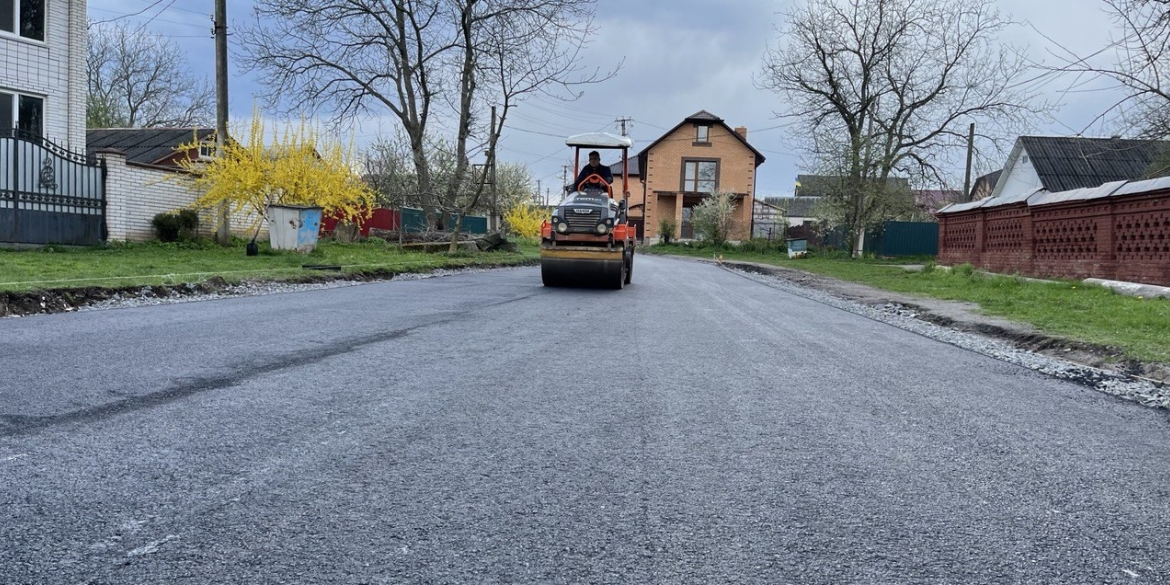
(474, 224)
(414, 220)
(909, 238)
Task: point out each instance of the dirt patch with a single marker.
(39, 302)
(966, 317)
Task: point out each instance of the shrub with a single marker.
(713, 218)
(172, 227)
(762, 246)
(666, 230)
(964, 269)
(525, 219)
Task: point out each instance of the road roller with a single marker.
(587, 241)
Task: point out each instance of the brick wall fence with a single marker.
(136, 193)
(1118, 231)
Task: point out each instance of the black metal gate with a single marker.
(49, 195)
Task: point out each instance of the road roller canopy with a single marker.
(599, 140)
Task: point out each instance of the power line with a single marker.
(152, 5)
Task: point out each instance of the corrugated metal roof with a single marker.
(1076, 194)
(1067, 163)
(1133, 187)
(1024, 197)
(143, 145)
(957, 207)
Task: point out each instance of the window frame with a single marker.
(702, 134)
(697, 161)
(17, 97)
(17, 20)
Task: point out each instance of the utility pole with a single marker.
(492, 170)
(970, 153)
(224, 234)
(538, 191)
(565, 177)
(623, 121)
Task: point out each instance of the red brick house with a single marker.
(700, 156)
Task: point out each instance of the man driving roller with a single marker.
(594, 168)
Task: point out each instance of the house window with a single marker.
(700, 176)
(206, 150)
(25, 18)
(702, 133)
(24, 112)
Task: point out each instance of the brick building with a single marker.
(700, 156)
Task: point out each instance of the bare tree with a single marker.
(888, 87)
(1136, 58)
(137, 79)
(435, 65)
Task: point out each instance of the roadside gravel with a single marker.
(963, 327)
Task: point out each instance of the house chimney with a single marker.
(742, 131)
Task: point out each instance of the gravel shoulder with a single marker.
(1099, 367)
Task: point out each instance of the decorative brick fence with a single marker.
(1118, 231)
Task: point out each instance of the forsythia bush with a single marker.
(524, 219)
(299, 168)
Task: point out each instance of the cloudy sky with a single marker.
(677, 57)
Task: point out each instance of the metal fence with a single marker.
(415, 220)
(49, 195)
(892, 238)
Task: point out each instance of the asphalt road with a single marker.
(697, 427)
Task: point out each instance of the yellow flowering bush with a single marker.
(299, 168)
(524, 219)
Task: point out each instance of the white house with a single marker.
(42, 69)
(1060, 163)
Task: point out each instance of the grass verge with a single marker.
(155, 263)
(1139, 327)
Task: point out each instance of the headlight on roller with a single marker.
(602, 228)
(563, 227)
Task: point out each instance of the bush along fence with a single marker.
(410, 219)
(1117, 231)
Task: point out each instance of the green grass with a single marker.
(133, 264)
(1139, 327)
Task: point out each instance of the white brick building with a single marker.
(144, 179)
(42, 69)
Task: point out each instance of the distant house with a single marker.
(768, 219)
(812, 189)
(929, 201)
(1055, 163)
(797, 210)
(152, 146)
(142, 165)
(985, 185)
(700, 156)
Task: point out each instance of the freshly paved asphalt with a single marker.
(696, 427)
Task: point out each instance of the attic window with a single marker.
(1024, 159)
(702, 133)
(206, 150)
